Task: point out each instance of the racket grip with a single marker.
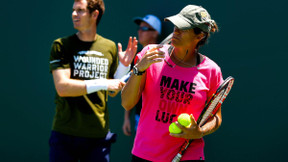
(177, 158)
(124, 79)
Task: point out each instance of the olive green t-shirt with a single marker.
(86, 60)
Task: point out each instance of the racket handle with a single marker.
(177, 158)
(124, 79)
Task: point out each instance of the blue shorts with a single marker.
(67, 148)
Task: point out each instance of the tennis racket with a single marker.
(126, 77)
(209, 111)
(168, 39)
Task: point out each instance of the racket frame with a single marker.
(226, 85)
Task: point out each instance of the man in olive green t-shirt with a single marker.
(84, 66)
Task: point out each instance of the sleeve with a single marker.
(114, 64)
(215, 81)
(135, 61)
(57, 57)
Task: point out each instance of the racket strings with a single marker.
(211, 107)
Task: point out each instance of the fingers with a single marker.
(155, 48)
(155, 55)
(180, 126)
(127, 133)
(160, 54)
(126, 130)
(132, 42)
(179, 135)
(129, 43)
(151, 56)
(134, 45)
(115, 85)
(193, 122)
(191, 132)
(119, 47)
(112, 93)
(122, 83)
(126, 57)
(135, 42)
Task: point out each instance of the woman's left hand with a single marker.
(191, 132)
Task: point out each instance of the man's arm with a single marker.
(67, 87)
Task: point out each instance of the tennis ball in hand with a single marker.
(184, 119)
(173, 128)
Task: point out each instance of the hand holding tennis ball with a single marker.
(173, 128)
(183, 119)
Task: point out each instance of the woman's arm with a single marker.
(132, 91)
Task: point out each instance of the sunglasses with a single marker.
(145, 28)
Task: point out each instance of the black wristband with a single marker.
(137, 72)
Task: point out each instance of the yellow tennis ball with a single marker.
(173, 128)
(184, 119)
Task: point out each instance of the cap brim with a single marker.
(179, 21)
(138, 20)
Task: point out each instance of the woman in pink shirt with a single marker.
(172, 82)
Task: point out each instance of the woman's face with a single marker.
(183, 38)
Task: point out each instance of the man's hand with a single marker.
(126, 57)
(114, 86)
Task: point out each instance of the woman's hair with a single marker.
(197, 31)
(93, 5)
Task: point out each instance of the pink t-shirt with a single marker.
(170, 91)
